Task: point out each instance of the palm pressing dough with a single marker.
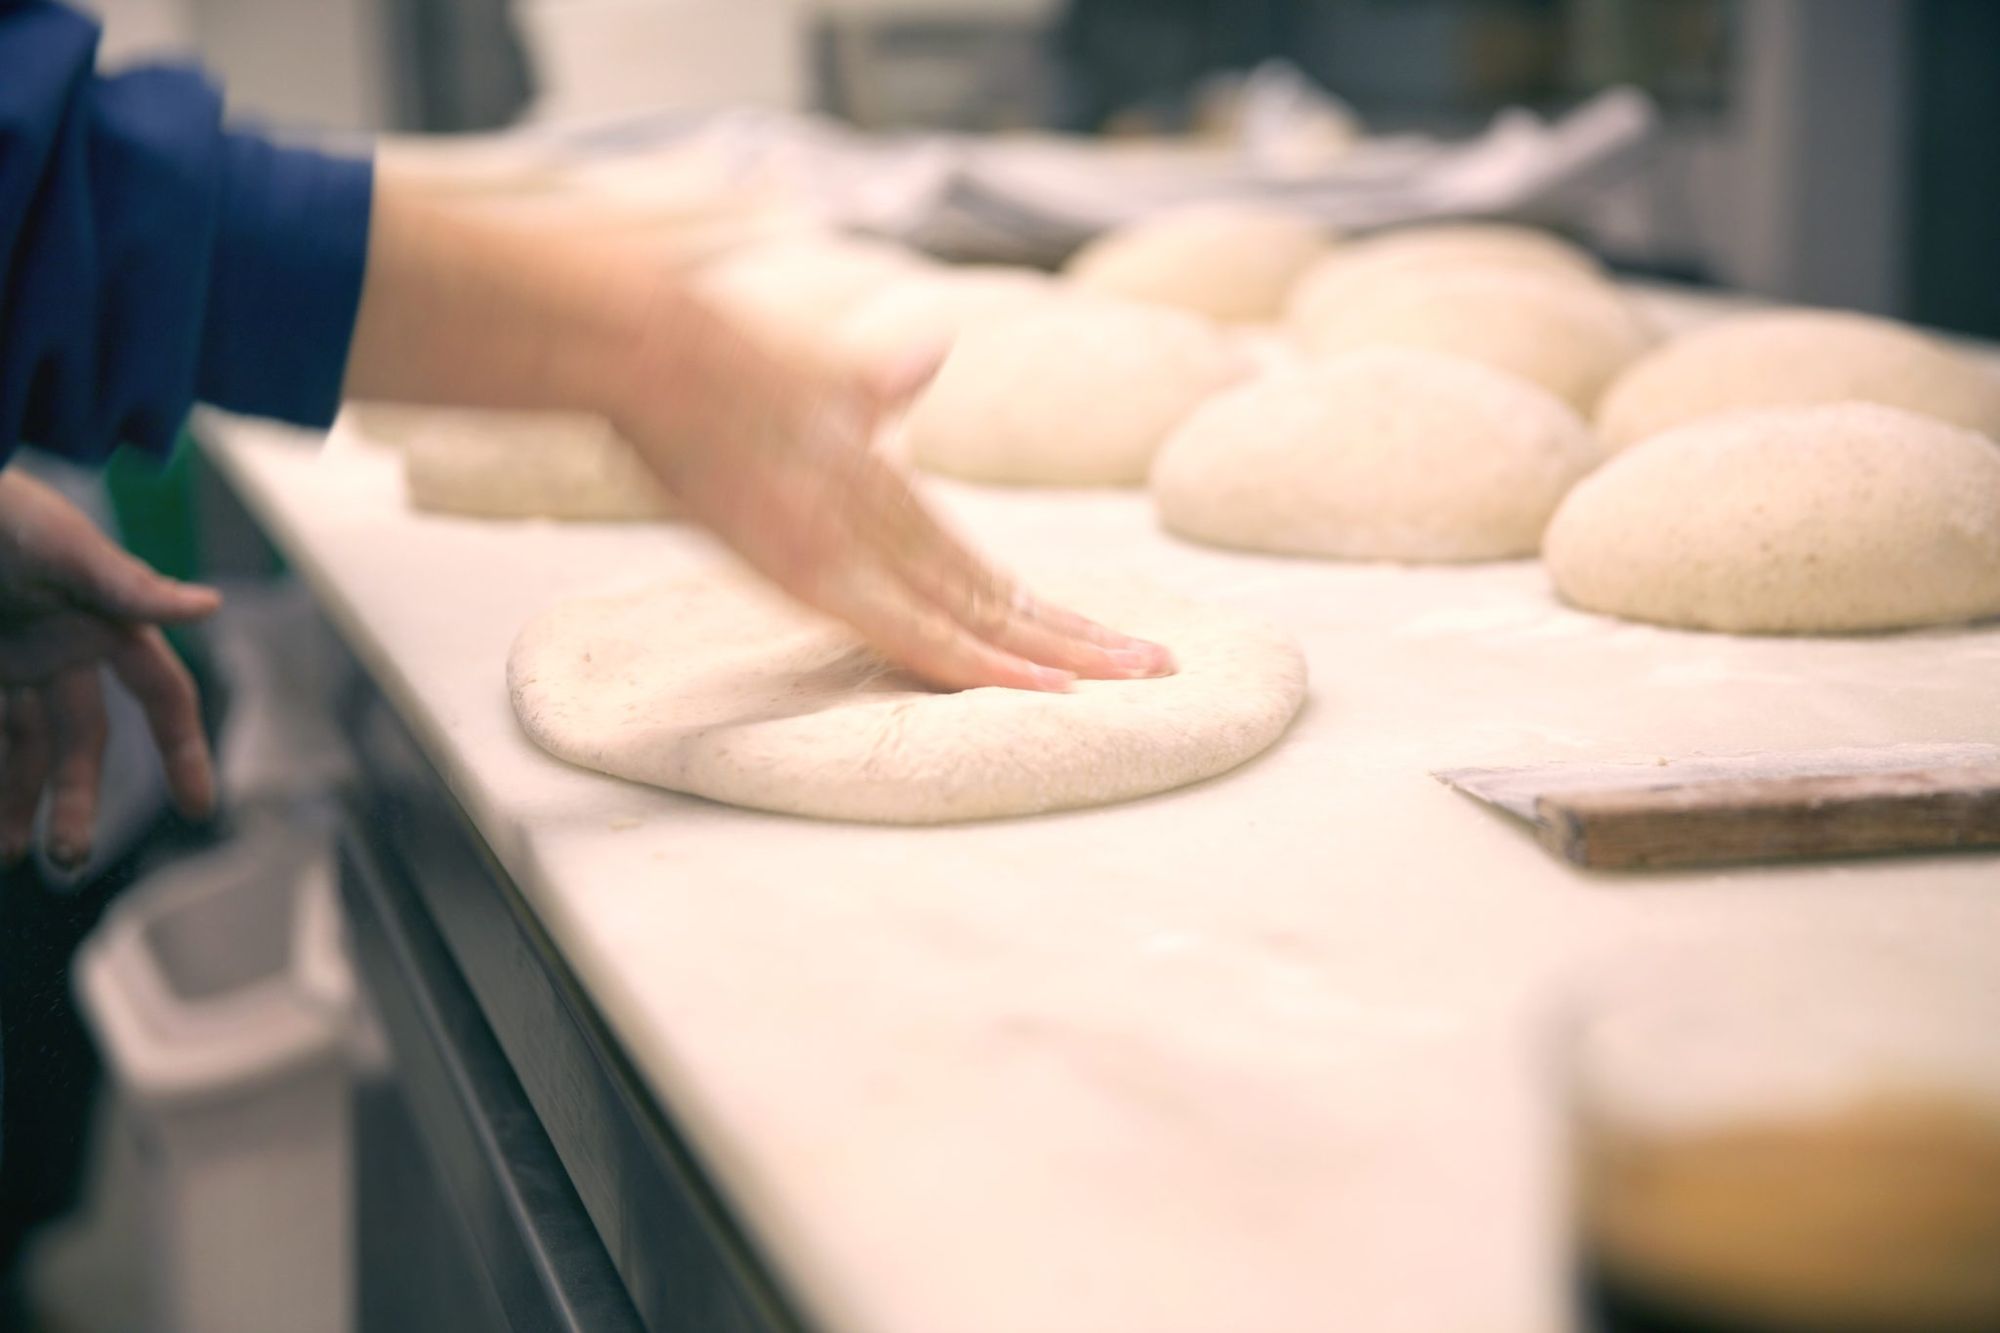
(721, 689)
(1570, 334)
(1793, 358)
(1388, 453)
(1415, 252)
(927, 311)
(1231, 262)
(528, 465)
(1077, 391)
(1829, 519)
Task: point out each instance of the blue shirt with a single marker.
(150, 258)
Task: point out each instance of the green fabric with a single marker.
(155, 508)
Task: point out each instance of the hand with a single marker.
(71, 600)
(777, 459)
(772, 455)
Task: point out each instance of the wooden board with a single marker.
(1758, 808)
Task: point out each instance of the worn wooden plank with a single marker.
(1775, 819)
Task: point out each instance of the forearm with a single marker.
(460, 309)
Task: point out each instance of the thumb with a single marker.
(902, 377)
(121, 587)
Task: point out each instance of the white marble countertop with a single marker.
(1263, 1055)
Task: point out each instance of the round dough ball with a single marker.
(1231, 262)
(1568, 334)
(1414, 252)
(1075, 392)
(1384, 454)
(721, 689)
(1800, 520)
(929, 310)
(1794, 358)
(529, 465)
(796, 292)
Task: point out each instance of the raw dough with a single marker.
(528, 465)
(1569, 334)
(1268, 348)
(387, 424)
(1792, 358)
(1414, 252)
(796, 292)
(1844, 517)
(1227, 261)
(1079, 391)
(721, 689)
(930, 310)
(1387, 453)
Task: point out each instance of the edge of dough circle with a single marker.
(717, 688)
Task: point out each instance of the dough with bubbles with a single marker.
(1794, 358)
(1836, 518)
(1383, 454)
(721, 689)
(1234, 262)
(1075, 392)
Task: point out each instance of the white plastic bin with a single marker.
(220, 997)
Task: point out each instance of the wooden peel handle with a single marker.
(1775, 819)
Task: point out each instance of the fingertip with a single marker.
(1051, 680)
(188, 601)
(191, 778)
(143, 594)
(200, 595)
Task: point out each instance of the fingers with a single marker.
(801, 533)
(909, 631)
(76, 700)
(1006, 616)
(942, 571)
(24, 772)
(89, 570)
(166, 693)
(1048, 634)
(801, 495)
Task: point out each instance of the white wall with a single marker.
(312, 64)
(320, 64)
(1798, 191)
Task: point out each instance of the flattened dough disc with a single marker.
(721, 689)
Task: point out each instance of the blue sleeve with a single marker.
(149, 258)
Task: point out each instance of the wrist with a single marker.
(693, 378)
